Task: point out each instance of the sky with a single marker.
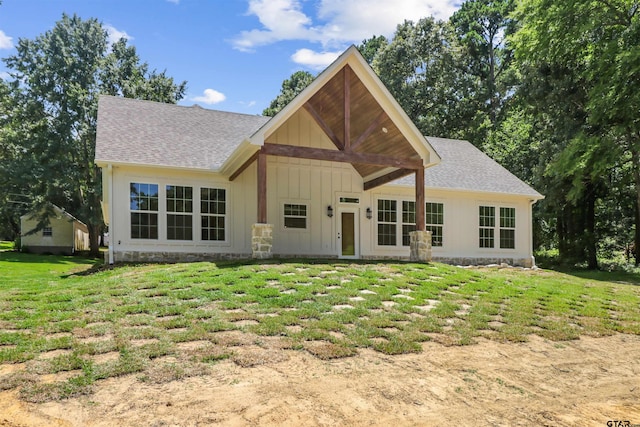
(234, 54)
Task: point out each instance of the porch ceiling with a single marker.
(356, 123)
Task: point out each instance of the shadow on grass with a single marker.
(617, 276)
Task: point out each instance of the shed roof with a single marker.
(132, 131)
(58, 210)
(465, 167)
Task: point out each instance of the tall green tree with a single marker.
(597, 42)
(57, 78)
(291, 87)
(421, 67)
(483, 27)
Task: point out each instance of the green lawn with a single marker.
(64, 316)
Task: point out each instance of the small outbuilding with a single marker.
(65, 234)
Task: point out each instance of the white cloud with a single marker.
(115, 34)
(281, 19)
(337, 22)
(6, 42)
(355, 20)
(4, 75)
(315, 60)
(211, 96)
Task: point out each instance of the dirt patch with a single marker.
(582, 382)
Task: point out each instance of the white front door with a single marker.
(348, 232)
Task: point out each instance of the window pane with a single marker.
(179, 227)
(409, 212)
(179, 199)
(486, 237)
(508, 217)
(507, 239)
(435, 213)
(144, 225)
(487, 216)
(143, 197)
(387, 210)
(295, 222)
(436, 234)
(295, 216)
(213, 203)
(386, 234)
(406, 229)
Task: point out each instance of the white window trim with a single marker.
(158, 212)
(399, 223)
(514, 228)
(191, 214)
(227, 216)
(306, 204)
(496, 228)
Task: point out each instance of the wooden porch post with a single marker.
(262, 188)
(420, 200)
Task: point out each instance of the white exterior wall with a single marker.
(241, 201)
(314, 183)
(317, 185)
(461, 225)
(67, 235)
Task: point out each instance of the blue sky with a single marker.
(234, 54)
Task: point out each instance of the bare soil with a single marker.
(585, 382)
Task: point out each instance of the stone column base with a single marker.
(420, 246)
(261, 241)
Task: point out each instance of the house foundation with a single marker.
(261, 241)
(420, 246)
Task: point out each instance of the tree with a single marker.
(597, 42)
(482, 27)
(423, 66)
(369, 48)
(291, 87)
(58, 77)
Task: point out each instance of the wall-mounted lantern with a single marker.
(369, 213)
(329, 211)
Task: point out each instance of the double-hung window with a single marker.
(47, 232)
(408, 221)
(179, 212)
(507, 228)
(435, 219)
(387, 220)
(487, 221)
(213, 209)
(295, 216)
(143, 206)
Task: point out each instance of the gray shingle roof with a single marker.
(464, 167)
(153, 133)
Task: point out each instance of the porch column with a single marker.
(261, 232)
(262, 188)
(420, 240)
(420, 201)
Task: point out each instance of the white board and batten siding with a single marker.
(313, 183)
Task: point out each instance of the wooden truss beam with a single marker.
(244, 166)
(324, 126)
(339, 156)
(347, 109)
(384, 179)
(372, 127)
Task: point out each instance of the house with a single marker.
(340, 172)
(65, 234)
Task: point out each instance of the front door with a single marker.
(348, 236)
